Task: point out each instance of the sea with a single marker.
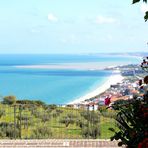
(54, 86)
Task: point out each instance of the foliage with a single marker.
(135, 1)
(67, 119)
(132, 120)
(91, 126)
(91, 132)
(7, 130)
(2, 112)
(91, 116)
(44, 116)
(55, 113)
(9, 100)
(31, 102)
(146, 13)
(41, 132)
(27, 118)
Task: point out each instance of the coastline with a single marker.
(113, 79)
(73, 66)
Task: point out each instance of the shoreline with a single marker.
(73, 66)
(113, 79)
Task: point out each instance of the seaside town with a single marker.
(131, 85)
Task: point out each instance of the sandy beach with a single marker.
(113, 79)
(74, 66)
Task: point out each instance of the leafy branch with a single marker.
(146, 13)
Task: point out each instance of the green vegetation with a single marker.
(132, 120)
(33, 119)
(146, 13)
(9, 100)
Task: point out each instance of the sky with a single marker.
(72, 26)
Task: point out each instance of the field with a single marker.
(32, 121)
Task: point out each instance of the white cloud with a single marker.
(104, 20)
(144, 8)
(52, 18)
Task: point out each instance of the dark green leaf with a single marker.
(111, 129)
(135, 1)
(146, 16)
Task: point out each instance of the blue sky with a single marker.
(72, 26)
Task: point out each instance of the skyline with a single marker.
(54, 26)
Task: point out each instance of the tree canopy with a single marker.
(146, 13)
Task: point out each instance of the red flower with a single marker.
(143, 144)
(107, 100)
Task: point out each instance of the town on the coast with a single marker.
(130, 86)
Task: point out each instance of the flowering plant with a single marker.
(132, 117)
(132, 121)
(107, 100)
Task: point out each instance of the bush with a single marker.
(67, 119)
(2, 112)
(91, 131)
(45, 117)
(81, 122)
(41, 132)
(91, 125)
(9, 100)
(91, 116)
(8, 130)
(31, 102)
(56, 113)
(132, 120)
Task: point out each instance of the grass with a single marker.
(59, 130)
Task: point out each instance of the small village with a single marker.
(130, 86)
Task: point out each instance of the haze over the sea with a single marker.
(54, 85)
(48, 47)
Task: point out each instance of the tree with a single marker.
(67, 119)
(90, 125)
(41, 132)
(9, 100)
(146, 13)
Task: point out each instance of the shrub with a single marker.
(8, 130)
(2, 112)
(91, 131)
(9, 100)
(91, 125)
(132, 120)
(56, 113)
(67, 119)
(41, 132)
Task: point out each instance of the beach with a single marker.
(113, 79)
(73, 66)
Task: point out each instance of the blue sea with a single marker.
(53, 86)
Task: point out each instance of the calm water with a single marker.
(52, 86)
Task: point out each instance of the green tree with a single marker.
(67, 119)
(41, 132)
(146, 13)
(90, 125)
(9, 100)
